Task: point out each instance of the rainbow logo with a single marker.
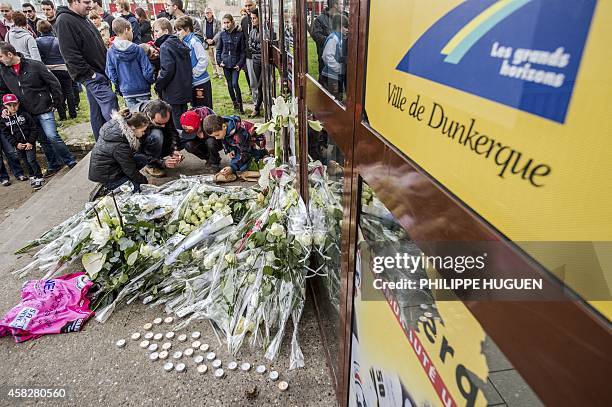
(522, 53)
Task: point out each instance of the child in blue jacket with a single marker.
(202, 89)
(128, 66)
(238, 141)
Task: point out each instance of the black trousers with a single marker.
(259, 99)
(233, 87)
(202, 95)
(69, 95)
(177, 111)
(205, 149)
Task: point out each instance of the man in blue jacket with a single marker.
(127, 65)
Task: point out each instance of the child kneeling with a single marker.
(21, 131)
(238, 142)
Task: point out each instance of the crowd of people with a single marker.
(159, 68)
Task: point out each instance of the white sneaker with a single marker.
(37, 183)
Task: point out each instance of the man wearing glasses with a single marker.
(84, 51)
(30, 13)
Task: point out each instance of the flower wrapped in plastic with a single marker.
(325, 210)
(258, 282)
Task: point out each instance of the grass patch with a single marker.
(222, 103)
(312, 57)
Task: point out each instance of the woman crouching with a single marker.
(112, 160)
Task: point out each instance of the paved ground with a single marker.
(95, 372)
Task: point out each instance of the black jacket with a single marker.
(171, 136)
(231, 48)
(21, 128)
(32, 25)
(112, 156)
(109, 20)
(174, 80)
(81, 44)
(36, 87)
(145, 31)
(321, 28)
(131, 18)
(246, 25)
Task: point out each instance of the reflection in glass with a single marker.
(326, 180)
(275, 19)
(485, 375)
(327, 45)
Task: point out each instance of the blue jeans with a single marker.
(102, 102)
(11, 157)
(47, 123)
(29, 156)
(132, 101)
(231, 76)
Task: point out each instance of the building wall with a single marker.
(222, 7)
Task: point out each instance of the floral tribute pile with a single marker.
(237, 256)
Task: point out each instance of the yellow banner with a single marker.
(508, 108)
(508, 104)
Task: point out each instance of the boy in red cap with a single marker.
(196, 141)
(20, 129)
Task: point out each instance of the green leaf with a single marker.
(93, 263)
(263, 127)
(315, 125)
(132, 258)
(260, 238)
(123, 278)
(268, 270)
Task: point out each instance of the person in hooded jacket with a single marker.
(124, 7)
(202, 89)
(22, 131)
(113, 161)
(85, 55)
(127, 65)
(231, 56)
(48, 45)
(21, 38)
(174, 80)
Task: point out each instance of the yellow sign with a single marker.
(508, 104)
(410, 356)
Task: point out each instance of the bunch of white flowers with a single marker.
(199, 209)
